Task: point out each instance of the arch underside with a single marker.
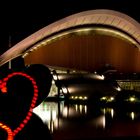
(88, 50)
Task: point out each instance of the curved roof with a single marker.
(101, 16)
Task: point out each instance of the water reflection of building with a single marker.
(49, 113)
(52, 113)
(105, 121)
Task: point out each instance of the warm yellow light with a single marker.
(118, 89)
(84, 30)
(132, 99)
(65, 90)
(76, 97)
(112, 113)
(72, 97)
(103, 98)
(53, 82)
(85, 109)
(111, 98)
(24, 55)
(55, 77)
(85, 98)
(100, 77)
(81, 108)
(80, 97)
(132, 115)
(43, 43)
(95, 72)
(60, 90)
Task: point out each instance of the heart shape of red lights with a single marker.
(3, 88)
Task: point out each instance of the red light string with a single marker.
(8, 130)
(32, 105)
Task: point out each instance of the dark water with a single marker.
(80, 121)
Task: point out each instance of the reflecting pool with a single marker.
(82, 121)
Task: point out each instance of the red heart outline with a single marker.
(3, 88)
(9, 131)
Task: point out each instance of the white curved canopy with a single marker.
(99, 16)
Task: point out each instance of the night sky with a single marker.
(20, 19)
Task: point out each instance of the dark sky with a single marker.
(23, 17)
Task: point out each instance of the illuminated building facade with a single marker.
(85, 41)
